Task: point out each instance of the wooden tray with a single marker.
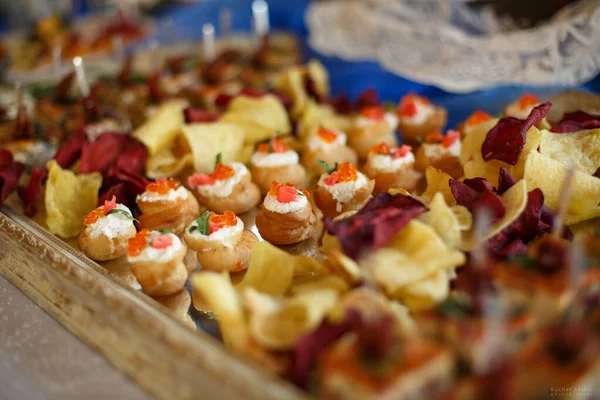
(135, 333)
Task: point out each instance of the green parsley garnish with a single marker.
(300, 193)
(164, 231)
(210, 315)
(219, 159)
(328, 169)
(202, 224)
(523, 260)
(123, 212)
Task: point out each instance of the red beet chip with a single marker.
(342, 104)
(505, 181)
(513, 248)
(576, 121)
(71, 149)
(119, 191)
(99, 155)
(10, 172)
(368, 98)
(373, 226)
(309, 347)
(31, 193)
(133, 157)
(505, 141)
(477, 194)
(597, 173)
(197, 115)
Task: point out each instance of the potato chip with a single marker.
(315, 115)
(259, 117)
(319, 75)
(547, 174)
(161, 129)
(291, 83)
(69, 198)
(165, 164)
(471, 144)
(463, 217)
(437, 182)
(271, 270)
(220, 296)
(206, 140)
(371, 304)
(341, 265)
(580, 149)
(330, 282)
(514, 201)
(477, 167)
(278, 324)
(414, 253)
(426, 292)
(441, 218)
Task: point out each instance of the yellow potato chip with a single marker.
(206, 140)
(271, 270)
(547, 174)
(414, 253)
(291, 83)
(580, 149)
(162, 128)
(473, 141)
(69, 198)
(165, 164)
(278, 324)
(315, 115)
(441, 218)
(260, 117)
(426, 292)
(437, 182)
(463, 216)
(330, 282)
(514, 200)
(319, 75)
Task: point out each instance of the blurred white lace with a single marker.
(458, 48)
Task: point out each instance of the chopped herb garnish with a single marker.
(210, 315)
(219, 159)
(300, 193)
(523, 260)
(328, 169)
(122, 212)
(202, 224)
(164, 231)
(389, 106)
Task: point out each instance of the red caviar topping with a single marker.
(276, 145)
(401, 151)
(408, 105)
(328, 136)
(100, 212)
(239, 266)
(219, 221)
(94, 216)
(286, 193)
(222, 172)
(162, 185)
(434, 137)
(162, 242)
(381, 148)
(528, 100)
(345, 172)
(451, 137)
(137, 243)
(373, 112)
(477, 118)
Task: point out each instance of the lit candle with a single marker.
(208, 42)
(80, 74)
(260, 14)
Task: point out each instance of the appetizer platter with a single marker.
(222, 226)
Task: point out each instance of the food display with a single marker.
(357, 249)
